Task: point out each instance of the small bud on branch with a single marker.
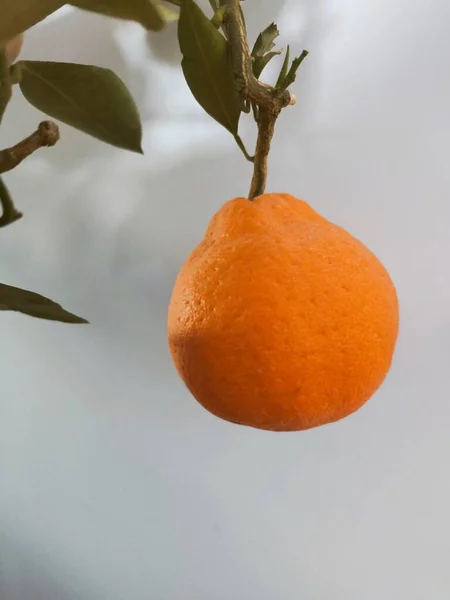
(47, 134)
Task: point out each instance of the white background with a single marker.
(114, 483)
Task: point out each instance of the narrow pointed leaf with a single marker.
(144, 12)
(292, 73)
(284, 69)
(34, 305)
(91, 99)
(207, 66)
(265, 41)
(20, 15)
(261, 62)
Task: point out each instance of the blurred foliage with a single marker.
(95, 101)
(150, 15)
(17, 16)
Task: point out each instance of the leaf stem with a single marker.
(244, 150)
(47, 134)
(10, 213)
(269, 100)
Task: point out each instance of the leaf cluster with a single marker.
(208, 68)
(95, 101)
(91, 99)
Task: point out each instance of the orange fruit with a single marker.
(279, 319)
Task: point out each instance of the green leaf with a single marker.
(19, 15)
(169, 15)
(91, 99)
(261, 62)
(217, 19)
(207, 66)
(284, 69)
(262, 52)
(143, 11)
(292, 73)
(265, 40)
(34, 305)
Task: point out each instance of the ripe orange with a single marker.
(279, 319)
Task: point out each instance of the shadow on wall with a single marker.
(116, 267)
(26, 578)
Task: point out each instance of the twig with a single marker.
(269, 100)
(47, 134)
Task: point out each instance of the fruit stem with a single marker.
(266, 130)
(269, 100)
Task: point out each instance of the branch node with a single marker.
(47, 134)
(268, 100)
